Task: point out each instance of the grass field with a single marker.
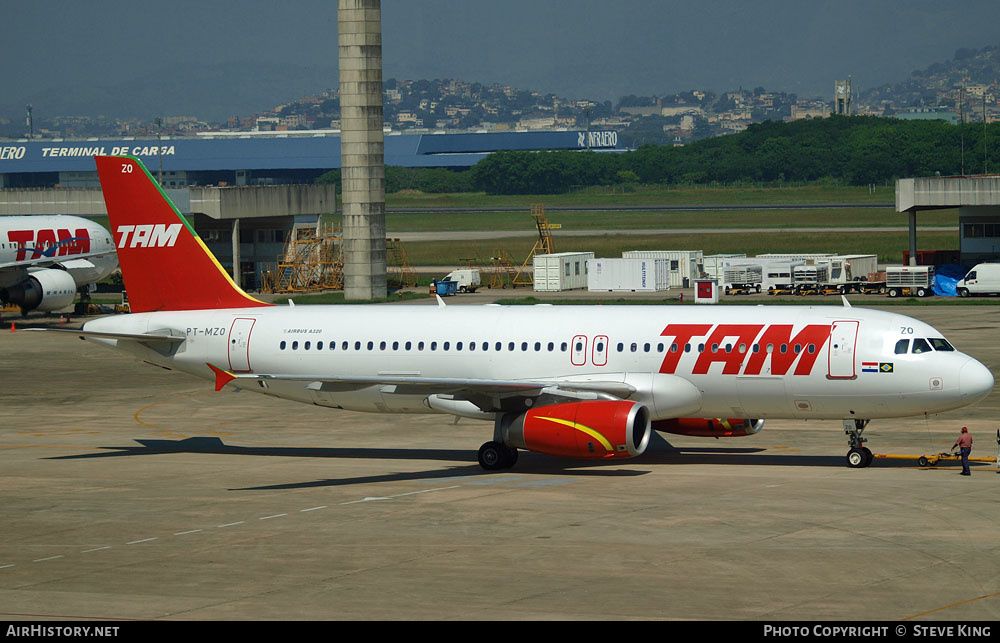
(604, 219)
(650, 195)
(888, 246)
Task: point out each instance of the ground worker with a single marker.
(964, 442)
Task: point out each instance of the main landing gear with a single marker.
(494, 456)
(859, 456)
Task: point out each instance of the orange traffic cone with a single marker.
(12, 327)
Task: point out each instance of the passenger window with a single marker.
(903, 347)
(381, 346)
(645, 347)
(621, 347)
(395, 346)
(434, 346)
(634, 347)
(538, 346)
(446, 345)
(371, 345)
(408, 345)
(551, 346)
(420, 346)
(921, 346)
(458, 346)
(510, 346)
(319, 346)
(306, 345)
(357, 346)
(282, 345)
(295, 346)
(524, 346)
(344, 346)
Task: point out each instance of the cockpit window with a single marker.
(940, 344)
(902, 347)
(921, 346)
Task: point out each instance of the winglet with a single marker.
(221, 377)
(847, 304)
(440, 301)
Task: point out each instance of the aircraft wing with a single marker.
(47, 262)
(485, 393)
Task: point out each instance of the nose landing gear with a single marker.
(859, 456)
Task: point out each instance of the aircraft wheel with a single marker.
(494, 456)
(869, 457)
(856, 459)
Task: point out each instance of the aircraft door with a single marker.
(579, 354)
(239, 345)
(600, 355)
(843, 341)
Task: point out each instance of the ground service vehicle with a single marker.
(984, 279)
(914, 281)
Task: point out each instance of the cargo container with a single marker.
(561, 271)
(628, 275)
(684, 265)
(909, 280)
(713, 266)
(742, 280)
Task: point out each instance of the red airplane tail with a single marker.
(165, 264)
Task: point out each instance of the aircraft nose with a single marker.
(975, 380)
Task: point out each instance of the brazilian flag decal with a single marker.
(885, 367)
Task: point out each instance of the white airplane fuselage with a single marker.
(714, 361)
(30, 244)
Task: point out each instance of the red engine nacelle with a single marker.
(592, 429)
(710, 427)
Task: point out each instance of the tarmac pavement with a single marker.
(131, 492)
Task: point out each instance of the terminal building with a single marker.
(245, 192)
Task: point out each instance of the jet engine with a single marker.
(710, 427)
(589, 429)
(46, 290)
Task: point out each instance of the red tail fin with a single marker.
(166, 266)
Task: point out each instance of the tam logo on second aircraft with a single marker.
(149, 236)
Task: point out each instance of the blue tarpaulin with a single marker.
(945, 278)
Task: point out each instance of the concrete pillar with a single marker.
(362, 148)
(913, 238)
(236, 252)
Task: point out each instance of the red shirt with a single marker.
(964, 441)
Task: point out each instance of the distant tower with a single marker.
(362, 149)
(842, 97)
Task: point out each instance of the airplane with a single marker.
(587, 382)
(45, 260)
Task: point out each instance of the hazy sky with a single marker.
(575, 48)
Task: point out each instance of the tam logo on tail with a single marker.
(165, 264)
(149, 236)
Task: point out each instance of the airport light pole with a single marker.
(159, 148)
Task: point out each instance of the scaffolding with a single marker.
(312, 260)
(502, 270)
(399, 273)
(543, 246)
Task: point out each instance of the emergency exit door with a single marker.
(239, 345)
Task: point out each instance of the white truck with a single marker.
(984, 279)
(467, 279)
(909, 280)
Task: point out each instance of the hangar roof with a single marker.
(284, 150)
